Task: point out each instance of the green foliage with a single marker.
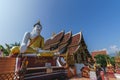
(6, 51)
(8, 47)
(112, 60)
(101, 59)
(15, 44)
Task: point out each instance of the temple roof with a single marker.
(57, 37)
(72, 50)
(47, 44)
(53, 40)
(67, 40)
(62, 46)
(74, 45)
(75, 41)
(66, 37)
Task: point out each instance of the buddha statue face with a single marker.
(36, 30)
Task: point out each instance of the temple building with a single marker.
(94, 53)
(72, 47)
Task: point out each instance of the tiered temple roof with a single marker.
(57, 38)
(66, 40)
(70, 45)
(54, 40)
(47, 44)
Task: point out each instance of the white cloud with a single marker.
(113, 49)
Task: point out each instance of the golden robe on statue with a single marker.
(37, 42)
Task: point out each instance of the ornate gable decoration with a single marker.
(75, 43)
(53, 41)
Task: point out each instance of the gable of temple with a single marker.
(53, 42)
(73, 46)
(65, 42)
(75, 43)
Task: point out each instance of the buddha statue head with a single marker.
(36, 29)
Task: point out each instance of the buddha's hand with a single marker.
(23, 48)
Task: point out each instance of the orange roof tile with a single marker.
(94, 53)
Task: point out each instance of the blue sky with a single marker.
(99, 20)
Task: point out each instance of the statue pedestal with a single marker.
(40, 61)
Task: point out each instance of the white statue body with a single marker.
(30, 35)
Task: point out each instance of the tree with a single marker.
(8, 47)
(5, 52)
(112, 60)
(15, 44)
(101, 59)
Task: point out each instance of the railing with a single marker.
(41, 73)
(11, 76)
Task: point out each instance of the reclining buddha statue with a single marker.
(32, 42)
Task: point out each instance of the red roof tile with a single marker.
(66, 38)
(72, 50)
(47, 42)
(75, 39)
(94, 53)
(57, 37)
